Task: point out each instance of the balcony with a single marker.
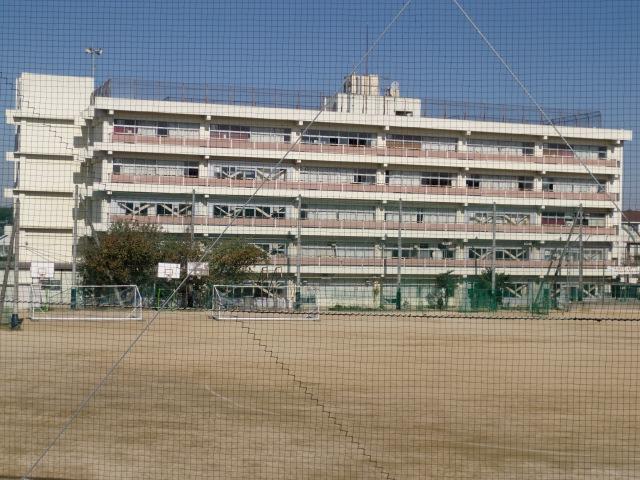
(352, 226)
(280, 185)
(551, 160)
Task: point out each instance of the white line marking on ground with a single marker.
(525, 450)
(236, 404)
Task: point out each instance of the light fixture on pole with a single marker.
(93, 52)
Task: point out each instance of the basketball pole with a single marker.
(15, 319)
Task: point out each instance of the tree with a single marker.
(446, 283)
(127, 254)
(484, 283)
(231, 261)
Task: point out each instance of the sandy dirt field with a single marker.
(370, 397)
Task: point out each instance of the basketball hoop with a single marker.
(198, 269)
(169, 271)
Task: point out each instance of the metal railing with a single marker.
(122, 87)
(480, 264)
(357, 225)
(280, 185)
(355, 150)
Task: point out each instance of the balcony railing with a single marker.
(279, 184)
(358, 225)
(354, 150)
(481, 264)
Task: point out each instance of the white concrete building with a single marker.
(189, 157)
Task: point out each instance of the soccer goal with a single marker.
(86, 302)
(264, 302)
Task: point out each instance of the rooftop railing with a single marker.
(314, 100)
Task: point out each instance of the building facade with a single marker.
(372, 189)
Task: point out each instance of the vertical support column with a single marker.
(580, 253)
(74, 249)
(399, 272)
(537, 183)
(298, 254)
(193, 214)
(15, 319)
(493, 253)
(203, 167)
(538, 148)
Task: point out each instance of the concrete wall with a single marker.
(53, 96)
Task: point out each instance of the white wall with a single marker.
(53, 96)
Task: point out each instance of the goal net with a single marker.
(259, 302)
(86, 302)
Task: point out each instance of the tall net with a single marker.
(365, 240)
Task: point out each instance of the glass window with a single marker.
(328, 137)
(437, 179)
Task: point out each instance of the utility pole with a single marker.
(298, 254)
(580, 253)
(15, 319)
(74, 250)
(193, 214)
(493, 253)
(399, 274)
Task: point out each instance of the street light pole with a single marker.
(93, 52)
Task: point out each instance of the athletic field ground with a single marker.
(348, 396)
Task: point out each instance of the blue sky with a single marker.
(575, 54)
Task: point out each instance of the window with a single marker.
(273, 248)
(314, 213)
(327, 137)
(502, 217)
(191, 171)
(337, 175)
(573, 254)
(473, 181)
(502, 253)
(419, 142)
(249, 211)
(365, 176)
(422, 216)
(525, 183)
(251, 133)
(586, 152)
(136, 208)
(501, 147)
(246, 172)
(437, 179)
(156, 128)
(573, 185)
(155, 168)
